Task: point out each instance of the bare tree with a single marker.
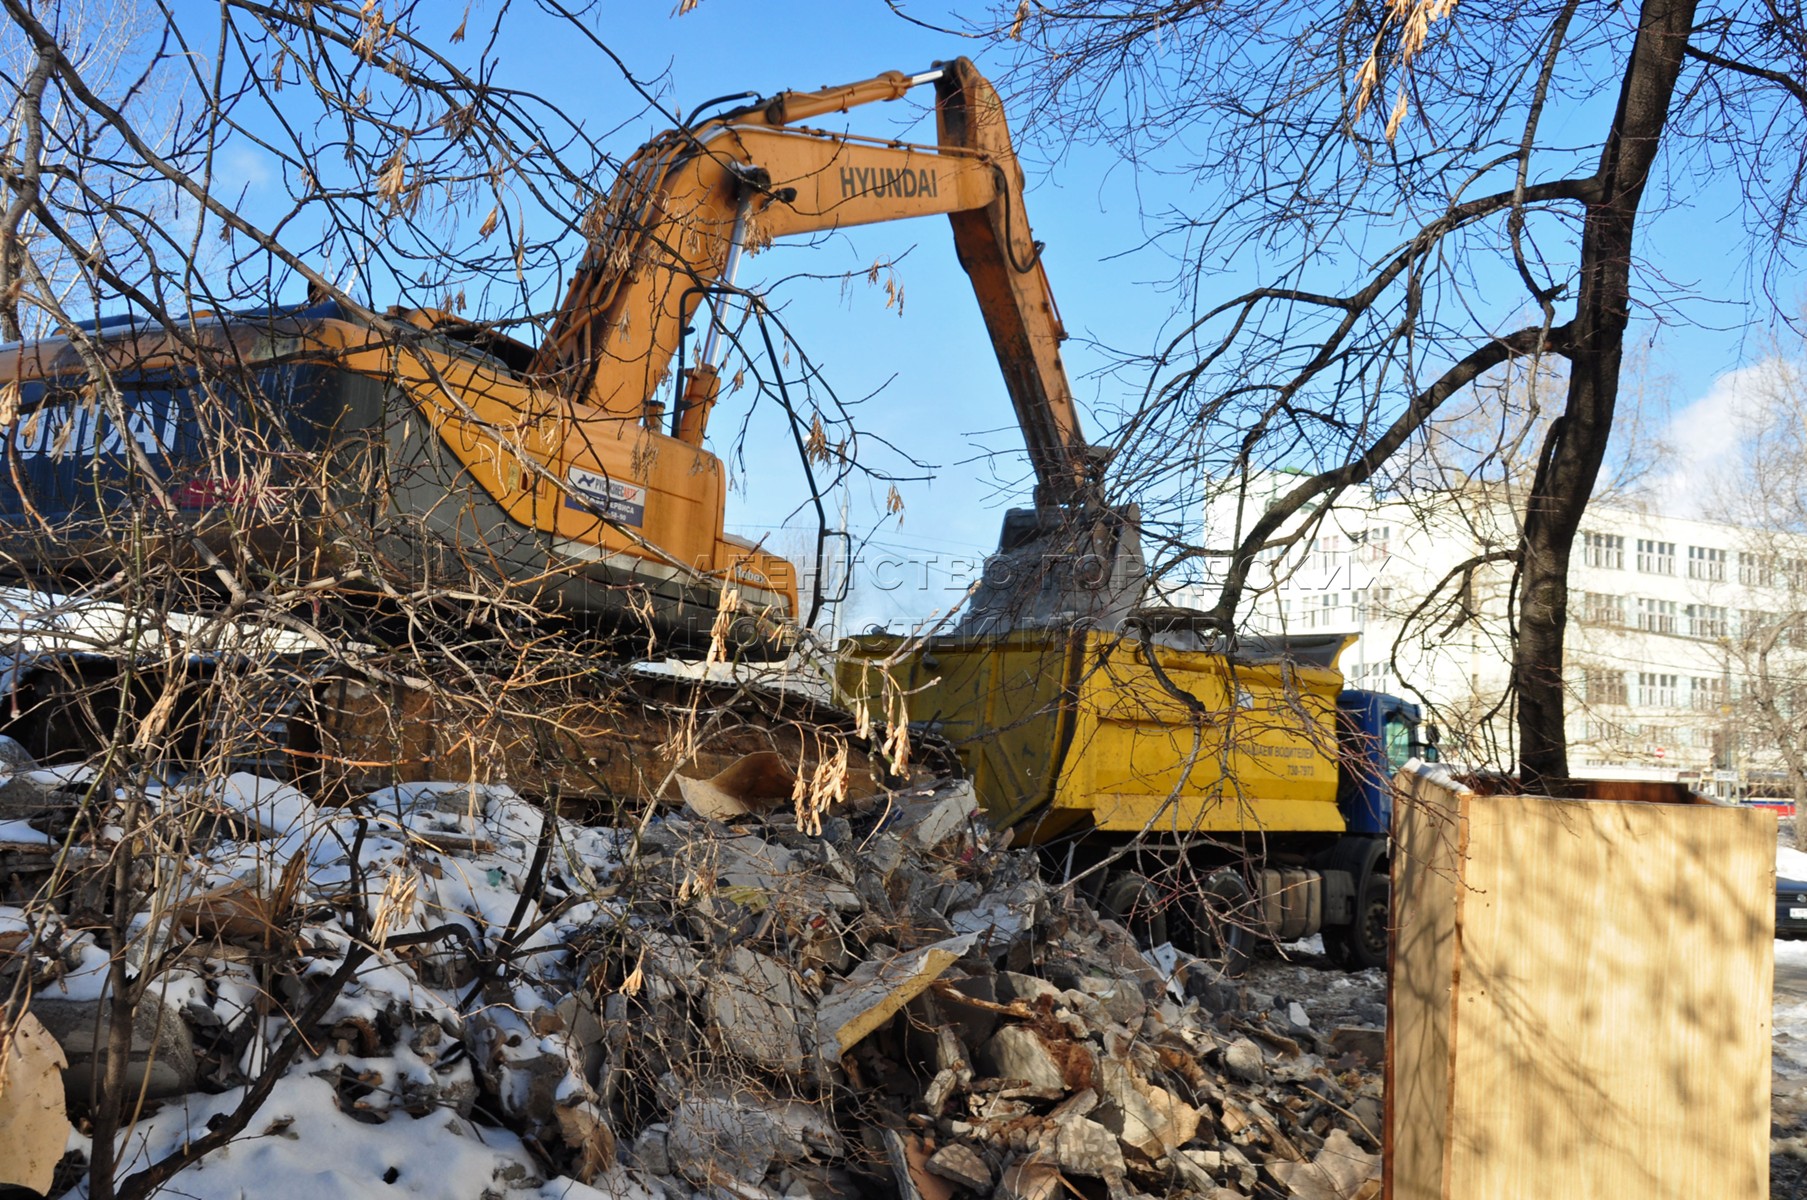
(1764, 490)
(237, 545)
(1392, 176)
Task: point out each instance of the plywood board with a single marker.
(1584, 988)
(1427, 857)
(1613, 1007)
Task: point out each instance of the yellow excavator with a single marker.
(575, 473)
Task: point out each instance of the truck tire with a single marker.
(1223, 918)
(1363, 944)
(1131, 901)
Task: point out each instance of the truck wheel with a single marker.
(1223, 915)
(1130, 900)
(1363, 944)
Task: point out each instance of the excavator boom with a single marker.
(692, 201)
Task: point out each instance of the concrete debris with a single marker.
(1031, 1179)
(1084, 1147)
(889, 1001)
(1018, 1055)
(754, 1006)
(1341, 1171)
(1371, 1044)
(938, 817)
(744, 1135)
(961, 1164)
(1242, 1058)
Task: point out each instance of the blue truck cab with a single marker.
(1379, 734)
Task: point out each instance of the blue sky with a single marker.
(936, 393)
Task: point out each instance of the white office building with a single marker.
(1657, 674)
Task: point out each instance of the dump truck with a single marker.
(1210, 790)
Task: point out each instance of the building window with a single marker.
(1706, 694)
(1605, 687)
(1656, 690)
(1372, 604)
(1601, 608)
(1656, 558)
(1375, 543)
(1755, 570)
(1606, 731)
(1325, 611)
(1603, 550)
(1324, 554)
(1707, 621)
(1656, 616)
(1706, 563)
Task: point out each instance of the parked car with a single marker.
(1791, 908)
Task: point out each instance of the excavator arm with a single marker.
(693, 201)
(591, 453)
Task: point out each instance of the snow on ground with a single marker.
(1791, 863)
(303, 1146)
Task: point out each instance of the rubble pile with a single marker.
(885, 1000)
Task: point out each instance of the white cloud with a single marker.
(1703, 439)
(242, 169)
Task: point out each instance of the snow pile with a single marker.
(466, 996)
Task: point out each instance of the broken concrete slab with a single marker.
(926, 821)
(1341, 1170)
(753, 1005)
(909, 1158)
(1016, 1052)
(1243, 1060)
(1084, 1147)
(1013, 985)
(961, 1164)
(1129, 1109)
(877, 989)
(1030, 1179)
(743, 1134)
(162, 1061)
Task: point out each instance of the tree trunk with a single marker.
(1798, 786)
(1577, 441)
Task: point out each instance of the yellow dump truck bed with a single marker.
(1061, 731)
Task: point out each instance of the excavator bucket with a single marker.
(1059, 567)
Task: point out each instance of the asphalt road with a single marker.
(1791, 982)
